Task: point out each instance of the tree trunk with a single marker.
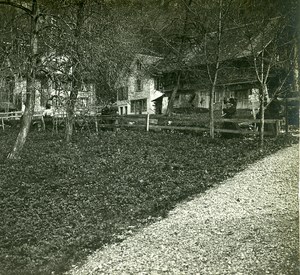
(71, 109)
(286, 113)
(214, 82)
(262, 117)
(76, 73)
(179, 57)
(69, 122)
(25, 126)
(296, 68)
(211, 107)
(173, 95)
(30, 86)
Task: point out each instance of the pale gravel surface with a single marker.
(247, 225)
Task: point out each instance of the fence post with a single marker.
(55, 122)
(96, 124)
(147, 122)
(2, 123)
(116, 124)
(43, 122)
(276, 127)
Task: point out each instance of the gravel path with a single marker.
(248, 225)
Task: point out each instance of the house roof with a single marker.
(148, 66)
(147, 59)
(237, 42)
(148, 62)
(159, 97)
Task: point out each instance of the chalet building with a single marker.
(52, 91)
(54, 94)
(48, 94)
(9, 99)
(236, 76)
(148, 83)
(138, 87)
(193, 95)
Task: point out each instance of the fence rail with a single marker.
(17, 115)
(150, 122)
(153, 122)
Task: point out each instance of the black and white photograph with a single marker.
(149, 137)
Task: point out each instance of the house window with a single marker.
(121, 110)
(82, 102)
(138, 85)
(44, 98)
(242, 97)
(44, 84)
(123, 93)
(7, 90)
(57, 85)
(62, 86)
(218, 96)
(157, 83)
(138, 65)
(138, 106)
(126, 110)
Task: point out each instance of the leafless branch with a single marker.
(12, 4)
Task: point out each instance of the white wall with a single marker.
(20, 88)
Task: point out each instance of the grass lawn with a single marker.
(62, 201)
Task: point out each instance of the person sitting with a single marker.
(230, 108)
(48, 112)
(274, 108)
(228, 112)
(271, 111)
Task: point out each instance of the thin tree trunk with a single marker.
(76, 75)
(211, 104)
(262, 118)
(173, 95)
(71, 109)
(30, 86)
(296, 68)
(286, 114)
(177, 85)
(214, 83)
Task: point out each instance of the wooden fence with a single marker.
(187, 123)
(148, 122)
(17, 115)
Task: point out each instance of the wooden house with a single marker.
(52, 85)
(236, 75)
(138, 87)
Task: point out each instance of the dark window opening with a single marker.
(138, 65)
(123, 93)
(138, 85)
(157, 83)
(138, 106)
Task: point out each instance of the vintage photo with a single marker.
(149, 137)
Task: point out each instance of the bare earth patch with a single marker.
(247, 225)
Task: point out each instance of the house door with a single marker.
(242, 97)
(139, 107)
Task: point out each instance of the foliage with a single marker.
(62, 201)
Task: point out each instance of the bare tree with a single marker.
(98, 40)
(76, 64)
(209, 22)
(180, 51)
(214, 78)
(34, 14)
(166, 30)
(272, 54)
